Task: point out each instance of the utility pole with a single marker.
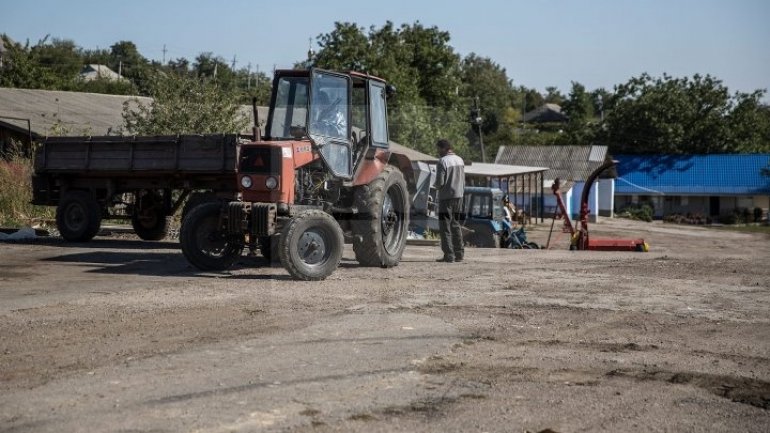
(164, 53)
(477, 120)
(234, 62)
(248, 75)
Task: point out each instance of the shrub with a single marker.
(758, 213)
(16, 193)
(641, 212)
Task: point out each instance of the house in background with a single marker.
(571, 165)
(706, 185)
(99, 72)
(546, 113)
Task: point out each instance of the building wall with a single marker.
(593, 201)
(694, 205)
(606, 197)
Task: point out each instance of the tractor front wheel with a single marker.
(311, 244)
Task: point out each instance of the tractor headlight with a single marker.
(271, 182)
(246, 182)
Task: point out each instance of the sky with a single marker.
(598, 43)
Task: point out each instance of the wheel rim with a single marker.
(313, 247)
(392, 218)
(74, 217)
(210, 240)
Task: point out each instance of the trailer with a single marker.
(142, 179)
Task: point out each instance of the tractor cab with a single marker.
(325, 131)
(342, 115)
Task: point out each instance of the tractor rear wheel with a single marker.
(311, 244)
(205, 243)
(381, 226)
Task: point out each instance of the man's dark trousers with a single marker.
(451, 236)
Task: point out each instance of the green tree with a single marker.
(125, 59)
(668, 115)
(681, 115)
(21, 67)
(580, 110)
(61, 57)
(185, 105)
(749, 123)
(553, 96)
(420, 63)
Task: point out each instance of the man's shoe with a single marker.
(459, 259)
(445, 260)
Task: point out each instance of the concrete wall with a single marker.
(606, 197)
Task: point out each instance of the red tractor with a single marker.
(322, 171)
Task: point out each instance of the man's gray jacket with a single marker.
(450, 177)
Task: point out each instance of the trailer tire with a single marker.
(204, 243)
(78, 216)
(310, 246)
(149, 220)
(381, 226)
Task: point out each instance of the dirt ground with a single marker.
(121, 335)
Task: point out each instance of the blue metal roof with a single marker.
(734, 174)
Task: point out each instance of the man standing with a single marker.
(450, 186)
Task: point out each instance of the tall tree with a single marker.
(421, 64)
(21, 67)
(61, 57)
(485, 79)
(681, 115)
(184, 105)
(579, 108)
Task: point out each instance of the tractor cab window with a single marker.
(329, 121)
(289, 113)
(379, 113)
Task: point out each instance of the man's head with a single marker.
(443, 146)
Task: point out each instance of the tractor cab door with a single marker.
(329, 121)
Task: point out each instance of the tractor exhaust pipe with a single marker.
(256, 133)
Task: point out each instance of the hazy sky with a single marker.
(599, 43)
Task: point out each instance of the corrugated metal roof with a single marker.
(73, 113)
(734, 174)
(499, 170)
(544, 114)
(573, 163)
(78, 113)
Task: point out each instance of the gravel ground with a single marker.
(121, 335)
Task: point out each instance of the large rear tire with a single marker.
(381, 226)
(311, 244)
(204, 241)
(78, 216)
(149, 220)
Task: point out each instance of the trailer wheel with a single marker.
(311, 244)
(205, 243)
(78, 216)
(380, 229)
(149, 220)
